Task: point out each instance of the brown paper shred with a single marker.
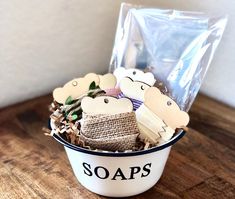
(147, 145)
(67, 125)
(142, 144)
(66, 129)
(54, 106)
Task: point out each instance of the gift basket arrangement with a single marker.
(118, 128)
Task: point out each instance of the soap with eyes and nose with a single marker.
(133, 89)
(135, 75)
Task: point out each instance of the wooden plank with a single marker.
(181, 173)
(213, 187)
(40, 102)
(30, 169)
(209, 154)
(214, 120)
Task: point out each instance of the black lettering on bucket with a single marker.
(87, 168)
(103, 173)
(119, 173)
(146, 168)
(134, 170)
(99, 168)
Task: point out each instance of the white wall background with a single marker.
(43, 44)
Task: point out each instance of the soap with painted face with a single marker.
(106, 105)
(135, 75)
(75, 88)
(133, 89)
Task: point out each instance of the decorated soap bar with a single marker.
(152, 127)
(165, 108)
(133, 89)
(133, 83)
(80, 86)
(159, 116)
(135, 75)
(75, 88)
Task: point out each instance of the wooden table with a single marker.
(201, 165)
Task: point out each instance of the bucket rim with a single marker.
(118, 154)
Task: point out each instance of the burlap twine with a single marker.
(110, 132)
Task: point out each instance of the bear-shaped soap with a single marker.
(135, 75)
(133, 89)
(75, 88)
(165, 108)
(159, 117)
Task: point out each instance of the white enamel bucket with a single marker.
(119, 174)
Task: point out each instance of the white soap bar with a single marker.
(151, 124)
(147, 133)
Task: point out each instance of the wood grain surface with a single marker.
(201, 164)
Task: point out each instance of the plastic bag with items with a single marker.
(176, 46)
